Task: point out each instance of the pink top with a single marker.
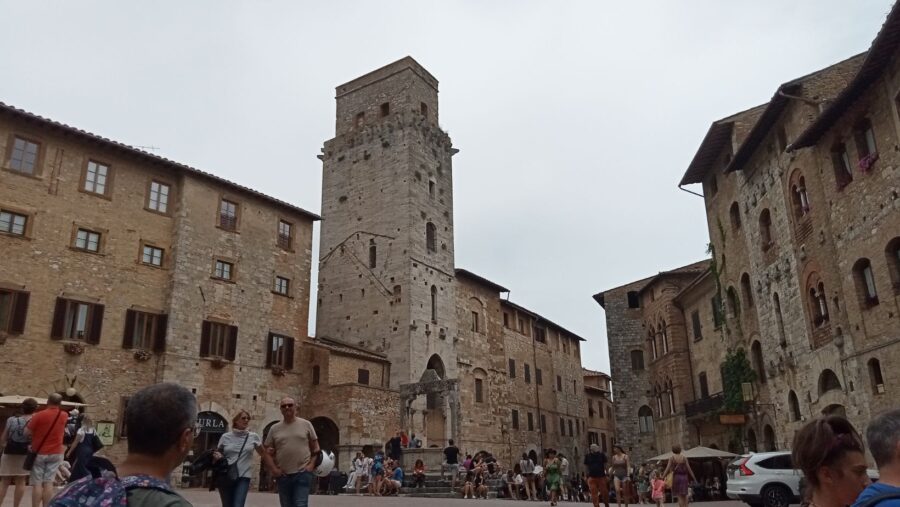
(659, 487)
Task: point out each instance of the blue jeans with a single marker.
(235, 495)
(293, 489)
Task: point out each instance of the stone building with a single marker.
(600, 419)
(468, 364)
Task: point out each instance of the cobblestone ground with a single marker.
(202, 498)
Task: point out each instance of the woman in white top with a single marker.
(81, 451)
(361, 467)
(14, 445)
(236, 447)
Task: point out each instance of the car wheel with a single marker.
(776, 496)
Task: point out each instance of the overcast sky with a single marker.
(575, 120)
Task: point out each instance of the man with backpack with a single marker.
(161, 421)
(883, 437)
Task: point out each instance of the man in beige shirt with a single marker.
(290, 447)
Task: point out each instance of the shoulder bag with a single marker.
(233, 474)
(28, 464)
(14, 446)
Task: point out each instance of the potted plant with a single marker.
(74, 348)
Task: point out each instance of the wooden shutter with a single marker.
(289, 353)
(231, 346)
(96, 324)
(204, 339)
(159, 341)
(269, 340)
(20, 310)
(128, 332)
(59, 319)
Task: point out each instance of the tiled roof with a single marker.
(145, 156)
(720, 134)
(592, 373)
(348, 349)
(479, 279)
(541, 317)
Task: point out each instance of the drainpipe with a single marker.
(690, 191)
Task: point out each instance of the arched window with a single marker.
(799, 197)
(652, 338)
(865, 283)
(665, 337)
(637, 360)
(645, 419)
(373, 254)
(735, 213)
(751, 441)
(828, 381)
(704, 385)
(434, 304)
(765, 230)
(793, 406)
(431, 237)
(892, 253)
(865, 139)
(769, 438)
(480, 376)
(670, 394)
(746, 290)
(315, 375)
(657, 393)
(734, 304)
(875, 376)
(759, 365)
(818, 302)
(776, 302)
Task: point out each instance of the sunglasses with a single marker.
(289, 405)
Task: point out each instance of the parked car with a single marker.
(765, 479)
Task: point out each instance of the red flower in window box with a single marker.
(866, 163)
(142, 355)
(74, 348)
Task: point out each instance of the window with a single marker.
(559, 383)
(434, 304)
(665, 337)
(864, 137)
(828, 381)
(282, 285)
(13, 223)
(609, 413)
(431, 237)
(538, 377)
(670, 394)
(637, 360)
(704, 385)
(527, 373)
(475, 321)
(280, 351)
(782, 462)
(77, 320)
(540, 334)
(144, 331)
(571, 432)
(645, 419)
(765, 230)
(734, 304)
(158, 198)
(316, 373)
(695, 325)
(505, 319)
(512, 368)
(718, 314)
(362, 376)
(285, 235)
(521, 325)
(431, 186)
(633, 300)
(218, 340)
(515, 419)
(360, 119)
(423, 108)
(152, 255)
(818, 302)
(87, 240)
(223, 270)
(735, 213)
(759, 365)
(651, 336)
(373, 254)
(13, 310)
(746, 290)
(799, 198)
(875, 376)
(794, 406)
(591, 409)
(865, 283)
(562, 426)
(228, 215)
(24, 155)
(543, 423)
(840, 161)
(892, 255)
(479, 394)
(385, 109)
(776, 302)
(95, 176)
(530, 422)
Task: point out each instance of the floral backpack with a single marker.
(107, 491)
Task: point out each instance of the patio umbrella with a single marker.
(16, 399)
(701, 452)
(662, 457)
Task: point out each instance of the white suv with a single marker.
(764, 479)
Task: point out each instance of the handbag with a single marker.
(95, 443)
(28, 464)
(669, 478)
(14, 446)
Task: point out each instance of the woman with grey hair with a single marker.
(14, 444)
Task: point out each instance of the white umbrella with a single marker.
(16, 399)
(662, 457)
(701, 452)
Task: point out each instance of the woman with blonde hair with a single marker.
(84, 446)
(236, 447)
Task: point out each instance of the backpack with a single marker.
(105, 491)
(875, 500)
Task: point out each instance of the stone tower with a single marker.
(386, 269)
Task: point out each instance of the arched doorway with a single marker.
(329, 435)
(751, 441)
(435, 420)
(211, 426)
(769, 438)
(265, 479)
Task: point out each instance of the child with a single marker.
(643, 486)
(659, 488)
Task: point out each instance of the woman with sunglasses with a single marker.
(236, 447)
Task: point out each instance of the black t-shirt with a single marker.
(452, 455)
(394, 447)
(596, 464)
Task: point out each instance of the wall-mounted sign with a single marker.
(107, 432)
(211, 422)
(732, 419)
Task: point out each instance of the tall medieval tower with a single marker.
(386, 269)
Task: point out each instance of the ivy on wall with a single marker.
(735, 371)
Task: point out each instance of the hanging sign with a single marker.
(211, 422)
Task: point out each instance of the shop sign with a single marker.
(211, 422)
(732, 419)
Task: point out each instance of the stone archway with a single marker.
(329, 435)
(769, 438)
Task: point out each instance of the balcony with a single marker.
(704, 407)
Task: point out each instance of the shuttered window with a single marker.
(218, 340)
(280, 351)
(13, 310)
(145, 331)
(77, 320)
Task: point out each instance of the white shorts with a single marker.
(45, 467)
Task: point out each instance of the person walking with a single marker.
(293, 442)
(451, 462)
(682, 475)
(598, 483)
(552, 475)
(564, 477)
(621, 466)
(84, 446)
(46, 429)
(830, 453)
(527, 467)
(883, 436)
(236, 447)
(14, 444)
